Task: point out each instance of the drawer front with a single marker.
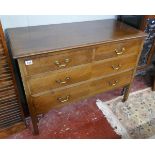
(45, 102)
(110, 50)
(101, 68)
(111, 82)
(50, 62)
(58, 79)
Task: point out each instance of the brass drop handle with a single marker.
(63, 99)
(116, 67)
(67, 79)
(120, 52)
(113, 83)
(60, 65)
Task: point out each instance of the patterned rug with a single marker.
(134, 118)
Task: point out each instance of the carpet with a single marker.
(134, 118)
(81, 120)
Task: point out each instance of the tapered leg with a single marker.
(34, 118)
(126, 92)
(35, 125)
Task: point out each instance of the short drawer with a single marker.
(117, 49)
(55, 61)
(111, 82)
(101, 68)
(45, 102)
(56, 79)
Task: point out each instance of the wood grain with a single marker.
(34, 40)
(109, 50)
(113, 66)
(103, 56)
(46, 62)
(49, 100)
(43, 103)
(59, 79)
(112, 82)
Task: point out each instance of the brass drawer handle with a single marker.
(113, 83)
(120, 52)
(116, 67)
(63, 99)
(60, 65)
(67, 79)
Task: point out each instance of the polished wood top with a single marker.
(34, 40)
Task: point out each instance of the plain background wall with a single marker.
(28, 20)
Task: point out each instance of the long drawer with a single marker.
(57, 79)
(44, 102)
(51, 61)
(110, 50)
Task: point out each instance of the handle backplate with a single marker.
(67, 79)
(120, 52)
(62, 64)
(63, 99)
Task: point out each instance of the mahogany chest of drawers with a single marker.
(62, 63)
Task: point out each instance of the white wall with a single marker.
(27, 20)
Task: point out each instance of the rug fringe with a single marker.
(112, 119)
(110, 116)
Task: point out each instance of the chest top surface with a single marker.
(26, 41)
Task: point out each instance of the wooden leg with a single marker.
(35, 125)
(34, 118)
(33, 115)
(126, 92)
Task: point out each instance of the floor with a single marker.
(80, 120)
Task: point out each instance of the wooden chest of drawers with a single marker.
(62, 63)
